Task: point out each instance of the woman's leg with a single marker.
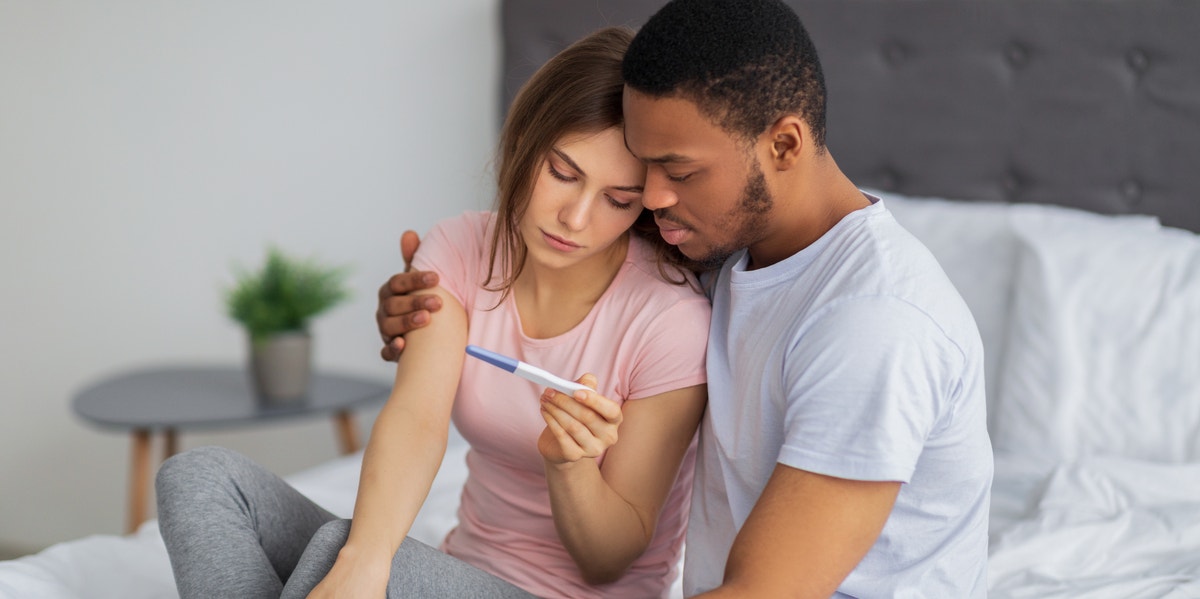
(232, 528)
(418, 570)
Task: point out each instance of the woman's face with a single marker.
(587, 195)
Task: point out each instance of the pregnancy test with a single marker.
(526, 371)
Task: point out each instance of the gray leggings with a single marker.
(233, 529)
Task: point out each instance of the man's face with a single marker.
(704, 185)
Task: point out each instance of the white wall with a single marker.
(147, 146)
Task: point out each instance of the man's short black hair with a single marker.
(745, 63)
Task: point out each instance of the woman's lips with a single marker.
(559, 243)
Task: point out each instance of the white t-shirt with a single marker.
(854, 358)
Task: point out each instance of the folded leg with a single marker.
(232, 528)
(418, 570)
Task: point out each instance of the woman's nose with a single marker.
(574, 214)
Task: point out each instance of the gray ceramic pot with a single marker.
(280, 367)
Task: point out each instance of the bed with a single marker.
(1048, 153)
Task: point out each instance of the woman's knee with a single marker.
(196, 470)
(317, 560)
(331, 536)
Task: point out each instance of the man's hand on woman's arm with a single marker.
(399, 310)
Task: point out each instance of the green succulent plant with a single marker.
(284, 295)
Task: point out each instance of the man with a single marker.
(844, 450)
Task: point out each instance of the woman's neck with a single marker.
(552, 301)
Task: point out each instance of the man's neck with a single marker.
(806, 208)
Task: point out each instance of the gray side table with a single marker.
(169, 399)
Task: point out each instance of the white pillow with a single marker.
(1104, 352)
(976, 247)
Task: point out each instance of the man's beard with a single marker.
(747, 220)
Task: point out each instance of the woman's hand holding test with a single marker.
(577, 427)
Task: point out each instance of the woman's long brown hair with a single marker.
(577, 91)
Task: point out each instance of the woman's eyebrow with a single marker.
(567, 159)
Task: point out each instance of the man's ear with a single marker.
(787, 138)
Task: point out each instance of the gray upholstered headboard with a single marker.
(1092, 104)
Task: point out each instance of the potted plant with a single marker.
(275, 305)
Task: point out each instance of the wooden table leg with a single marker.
(170, 443)
(139, 479)
(347, 432)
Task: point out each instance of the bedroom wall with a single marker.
(146, 147)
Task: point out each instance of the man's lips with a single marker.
(672, 233)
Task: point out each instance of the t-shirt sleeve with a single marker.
(671, 355)
(452, 249)
(866, 384)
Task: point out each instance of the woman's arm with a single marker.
(403, 454)
(606, 516)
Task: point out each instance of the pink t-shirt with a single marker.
(642, 338)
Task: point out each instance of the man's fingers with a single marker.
(407, 282)
(401, 305)
(397, 326)
(392, 349)
(409, 241)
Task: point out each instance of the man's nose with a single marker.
(657, 194)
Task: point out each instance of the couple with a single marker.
(843, 450)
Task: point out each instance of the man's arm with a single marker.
(805, 535)
(400, 311)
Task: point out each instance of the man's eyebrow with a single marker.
(666, 159)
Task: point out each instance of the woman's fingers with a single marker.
(585, 405)
(589, 431)
(568, 449)
(583, 425)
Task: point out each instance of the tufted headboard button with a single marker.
(888, 179)
(1011, 185)
(1138, 60)
(1016, 54)
(1131, 190)
(894, 53)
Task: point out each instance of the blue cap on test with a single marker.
(492, 358)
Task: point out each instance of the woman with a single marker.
(554, 506)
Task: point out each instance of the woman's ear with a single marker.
(787, 138)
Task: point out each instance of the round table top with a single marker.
(192, 397)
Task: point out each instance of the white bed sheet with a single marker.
(1095, 528)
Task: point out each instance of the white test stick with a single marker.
(526, 371)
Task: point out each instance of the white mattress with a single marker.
(1096, 528)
